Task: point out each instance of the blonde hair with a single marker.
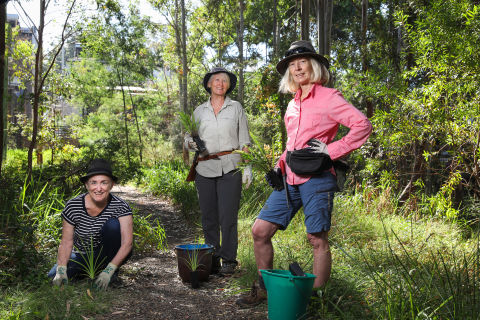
(319, 74)
(225, 76)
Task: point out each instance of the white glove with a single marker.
(318, 146)
(61, 276)
(104, 277)
(247, 176)
(189, 143)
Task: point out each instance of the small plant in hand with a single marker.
(191, 126)
(92, 264)
(261, 157)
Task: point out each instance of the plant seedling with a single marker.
(92, 264)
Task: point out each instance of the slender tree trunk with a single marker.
(184, 58)
(37, 89)
(39, 76)
(364, 34)
(138, 126)
(324, 25)
(183, 76)
(125, 119)
(305, 20)
(328, 27)
(240, 31)
(169, 101)
(295, 22)
(368, 101)
(3, 67)
(321, 26)
(276, 38)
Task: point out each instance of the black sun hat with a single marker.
(98, 166)
(233, 79)
(297, 49)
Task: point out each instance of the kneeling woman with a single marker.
(95, 219)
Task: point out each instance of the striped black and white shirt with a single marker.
(87, 227)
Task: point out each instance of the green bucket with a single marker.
(288, 295)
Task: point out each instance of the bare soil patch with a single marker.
(149, 286)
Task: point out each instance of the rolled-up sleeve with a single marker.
(243, 134)
(350, 117)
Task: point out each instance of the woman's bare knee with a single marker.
(263, 230)
(319, 240)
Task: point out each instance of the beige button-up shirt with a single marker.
(225, 132)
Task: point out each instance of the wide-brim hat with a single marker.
(297, 49)
(98, 166)
(233, 79)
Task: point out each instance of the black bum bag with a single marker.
(306, 162)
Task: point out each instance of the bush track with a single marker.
(149, 286)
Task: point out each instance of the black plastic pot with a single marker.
(184, 252)
(194, 279)
(200, 143)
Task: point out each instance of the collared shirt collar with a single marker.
(298, 94)
(226, 102)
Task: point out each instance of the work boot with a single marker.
(256, 296)
(228, 267)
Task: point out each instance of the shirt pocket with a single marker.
(227, 125)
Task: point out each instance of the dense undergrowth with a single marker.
(30, 230)
(389, 261)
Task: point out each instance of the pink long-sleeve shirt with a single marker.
(318, 116)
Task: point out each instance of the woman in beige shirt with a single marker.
(223, 128)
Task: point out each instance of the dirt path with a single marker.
(150, 286)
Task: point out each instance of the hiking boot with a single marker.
(228, 267)
(256, 296)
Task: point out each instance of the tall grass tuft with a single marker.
(91, 265)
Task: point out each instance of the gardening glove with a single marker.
(274, 178)
(247, 176)
(318, 146)
(61, 276)
(189, 143)
(104, 277)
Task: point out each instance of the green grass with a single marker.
(30, 229)
(49, 302)
(389, 262)
(385, 266)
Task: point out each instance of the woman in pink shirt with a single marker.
(312, 120)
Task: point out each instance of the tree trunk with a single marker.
(134, 109)
(276, 28)
(305, 21)
(179, 48)
(39, 77)
(368, 101)
(321, 37)
(184, 58)
(3, 84)
(37, 89)
(324, 25)
(125, 121)
(328, 27)
(240, 30)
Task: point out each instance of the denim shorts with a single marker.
(316, 197)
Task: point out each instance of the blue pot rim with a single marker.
(193, 246)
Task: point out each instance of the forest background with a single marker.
(411, 66)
